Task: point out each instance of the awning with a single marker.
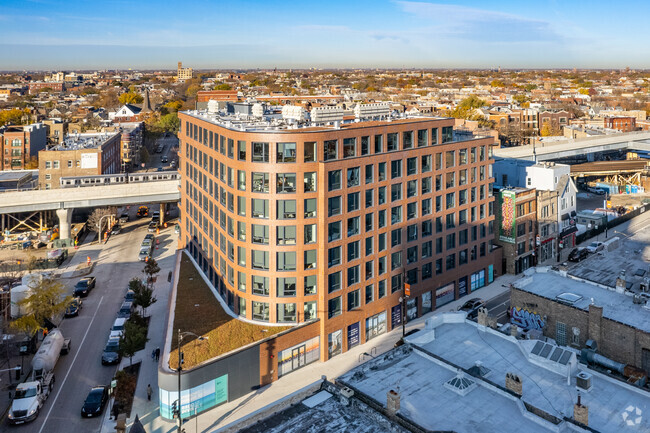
(568, 231)
(565, 217)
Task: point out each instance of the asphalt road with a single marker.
(81, 369)
(498, 307)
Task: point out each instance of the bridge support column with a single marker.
(65, 219)
(163, 208)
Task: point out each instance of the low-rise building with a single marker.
(620, 123)
(57, 129)
(37, 86)
(80, 155)
(516, 218)
(20, 145)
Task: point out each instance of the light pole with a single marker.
(180, 368)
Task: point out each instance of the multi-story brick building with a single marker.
(516, 218)
(295, 220)
(56, 130)
(79, 155)
(20, 145)
(621, 123)
(38, 86)
(132, 140)
(182, 73)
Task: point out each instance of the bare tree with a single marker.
(95, 219)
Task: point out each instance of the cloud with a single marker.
(482, 25)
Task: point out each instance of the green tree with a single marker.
(46, 301)
(151, 268)
(142, 295)
(133, 339)
(13, 116)
(144, 155)
(467, 108)
(222, 86)
(130, 98)
(169, 123)
(192, 90)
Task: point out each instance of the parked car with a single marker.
(118, 327)
(124, 218)
(145, 252)
(125, 310)
(153, 226)
(578, 254)
(116, 229)
(164, 159)
(596, 190)
(472, 306)
(594, 247)
(84, 286)
(73, 307)
(130, 294)
(111, 355)
(95, 402)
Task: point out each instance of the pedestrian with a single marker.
(157, 353)
(153, 355)
(149, 391)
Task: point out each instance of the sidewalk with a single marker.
(230, 412)
(146, 410)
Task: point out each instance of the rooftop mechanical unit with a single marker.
(583, 381)
(369, 111)
(326, 114)
(293, 113)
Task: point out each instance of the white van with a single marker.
(118, 327)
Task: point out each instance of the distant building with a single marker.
(20, 143)
(38, 86)
(183, 74)
(132, 139)
(621, 123)
(79, 155)
(56, 131)
(126, 114)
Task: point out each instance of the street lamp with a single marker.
(180, 368)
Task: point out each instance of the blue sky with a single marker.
(145, 34)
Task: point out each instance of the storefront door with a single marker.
(298, 357)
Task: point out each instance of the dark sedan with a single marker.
(578, 254)
(95, 402)
(73, 308)
(111, 353)
(471, 307)
(84, 286)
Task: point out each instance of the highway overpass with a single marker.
(65, 200)
(575, 147)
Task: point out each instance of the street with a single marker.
(76, 372)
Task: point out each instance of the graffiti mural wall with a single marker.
(527, 319)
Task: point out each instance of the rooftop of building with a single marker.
(453, 378)
(617, 305)
(256, 117)
(80, 141)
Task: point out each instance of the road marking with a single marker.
(70, 368)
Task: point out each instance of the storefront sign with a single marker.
(353, 335)
(412, 308)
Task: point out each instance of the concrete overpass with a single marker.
(575, 147)
(65, 200)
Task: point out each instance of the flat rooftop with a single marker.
(84, 141)
(616, 305)
(449, 346)
(272, 122)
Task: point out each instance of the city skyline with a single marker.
(38, 34)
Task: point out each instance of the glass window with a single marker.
(310, 233)
(381, 218)
(396, 260)
(396, 169)
(286, 183)
(334, 231)
(370, 293)
(334, 307)
(241, 180)
(286, 235)
(353, 275)
(260, 152)
(407, 139)
(261, 260)
(333, 180)
(310, 259)
(426, 185)
(450, 159)
(392, 142)
(411, 166)
(241, 281)
(381, 289)
(412, 233)
(333, 282)
(231, 148)
(286, 152)
(260, 285)
(334, 206)
(286, 286)
(353, 177)
(310, 151)
(379, 143)
(411, 210)
(353, 226)
(411, 188)
(365, 145)
(423, 139)
(310, 311)
(260, 208)
(396, 215)
(369, 222)
(353, 201)
(260, 234)
(310, 284)
(395, 238)
(334, 256)
(426, 206)
(450, 180)
(353, 251)
(241, 149)
(286, 209)
(381, 191)
(286, 261)
(369, 246)
(310, 181)
(396, 192)
(260, 182)
(450, 200)
(310, 207)
(411, 255)
(354, 299)
(330, 149)
(462, 156)
(381, 171)
(241, 231)
(349, 147)
(286, 313)
(369, 173)
(447, 134)
(369, 198)
(261, 311)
